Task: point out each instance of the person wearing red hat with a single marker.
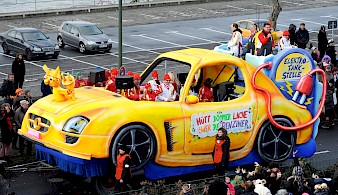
(265, 41)
(168, 91)
(130, 73)
(110, 84)
(205, 93)
(285, 40)
(134, 93)
(150, 94)
(155, 83)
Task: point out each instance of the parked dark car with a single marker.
(83, 35)
(30, 41)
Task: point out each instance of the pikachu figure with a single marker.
(54, 78)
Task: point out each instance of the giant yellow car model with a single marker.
(81, 135)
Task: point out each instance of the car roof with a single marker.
(26, 29)
(78, 23)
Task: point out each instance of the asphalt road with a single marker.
(150, 32)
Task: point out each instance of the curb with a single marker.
(79, 10)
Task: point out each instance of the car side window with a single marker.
(12, 34)
(220, 83)
(243, 25)
(74, 30)
(66, 28)
(18, 36)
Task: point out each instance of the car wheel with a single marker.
(140, 143)
(107, 51)
(82, 48)
(5, 48)
(61, 44)
(29, 55)
(274, 144)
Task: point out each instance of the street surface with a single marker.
(150, 32)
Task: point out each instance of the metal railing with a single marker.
(13, 6)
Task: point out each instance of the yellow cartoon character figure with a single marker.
(54, 78)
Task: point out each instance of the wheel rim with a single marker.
(140, 145)
(274, 144)
(82, 48)
(5, 48)
(60, 42)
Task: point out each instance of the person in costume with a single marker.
(265, 41)
(134, 93)
(236, 43)
(110, 84)
(174, 81)
(150, 94)
(284, 42)
(221, 153)
(168, 92)
(205, 93)
(79, 81)
(123, 169)
(155, 83)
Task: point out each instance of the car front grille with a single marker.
(38, 123)
(169, 136)
(102, 42)
(48, 49)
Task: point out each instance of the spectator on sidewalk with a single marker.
(19, 70)
(331, 51)
(28, 96)
(18, 118)
(6, 127)
(7, 89)
(20, 95)
(292, 31)
(302, 36)
(322, 41)
(45, 89)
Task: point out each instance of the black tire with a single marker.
(55, 56)
(29, 55)
(107, 51)
(140, 143)
(274, 145)
(61, 44)
(5, 48)
(82, 48)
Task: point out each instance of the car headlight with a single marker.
(56, 47)
(75, 125)
(110, 41)
(90, 42)
(37, 49)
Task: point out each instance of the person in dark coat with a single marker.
(249, 189)
(251, 43)
(123, 169)
(331, 51)
(18, 118)
(221, 153)
(302, 36)
(292, 31)
(45, 89)
(322, 41)
(19, 70)
(6, 127)
(7, 89)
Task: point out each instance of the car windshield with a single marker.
(32, 36)
(90, 30)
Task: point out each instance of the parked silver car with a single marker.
(83, 35)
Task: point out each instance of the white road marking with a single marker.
(325, 2)
(76, 60)
(177, 33)
(139, 48)
(269, 6)
(293, 3)
(6, 65)
(152, 16)
(31, 80)
(301, 19)
(4, 74)
(130, 59)
(243, 9)
(54, 26)
(27, 62)
(155, 39)
(322, 152)
(329, 17)
(212, 30)
(12, 26)
(111, 17)
(213, 11)
(180, 13)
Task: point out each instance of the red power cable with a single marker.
(267, 97)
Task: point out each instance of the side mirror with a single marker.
(47, 37)
(76, 34)
(191, 99)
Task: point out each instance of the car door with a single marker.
(19, 42)
(235, 112)
(65, 33)
(74, 36)
(10, 40)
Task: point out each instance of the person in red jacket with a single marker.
(110, 84)
(79, 81)
(123, 169)
(134, 93)
(221, 153)
(265, 41)
(205, 93)
(150, 94)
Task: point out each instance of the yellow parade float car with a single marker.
(263, 103)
